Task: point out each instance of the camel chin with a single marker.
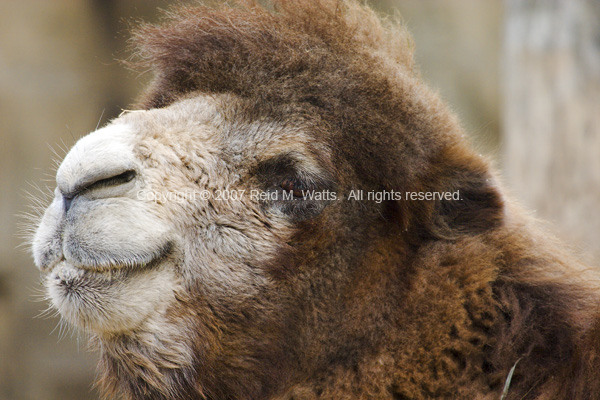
(110, 301)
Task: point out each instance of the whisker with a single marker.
(71, 132)
(100, 119)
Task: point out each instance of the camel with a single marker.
(220, 240)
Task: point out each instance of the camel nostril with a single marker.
(67, 200)
(113, 181)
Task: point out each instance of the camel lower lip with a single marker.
(67, 273)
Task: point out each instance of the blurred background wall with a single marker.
(59, 80)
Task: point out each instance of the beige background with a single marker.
(59, 79)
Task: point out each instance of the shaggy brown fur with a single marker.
(392, 300)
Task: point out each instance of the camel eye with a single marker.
(292, 185)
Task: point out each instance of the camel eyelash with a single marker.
(288, 187)
(286, 171)
(294, 186)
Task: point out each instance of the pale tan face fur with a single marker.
(137, 230)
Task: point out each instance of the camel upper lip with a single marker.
(144, 262)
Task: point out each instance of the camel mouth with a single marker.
(65, 270)
(112, 265)
(74, 277)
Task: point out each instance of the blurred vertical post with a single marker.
(551, 118)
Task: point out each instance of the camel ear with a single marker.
(478, 206)
(471, 204)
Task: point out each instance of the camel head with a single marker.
(223, 240)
